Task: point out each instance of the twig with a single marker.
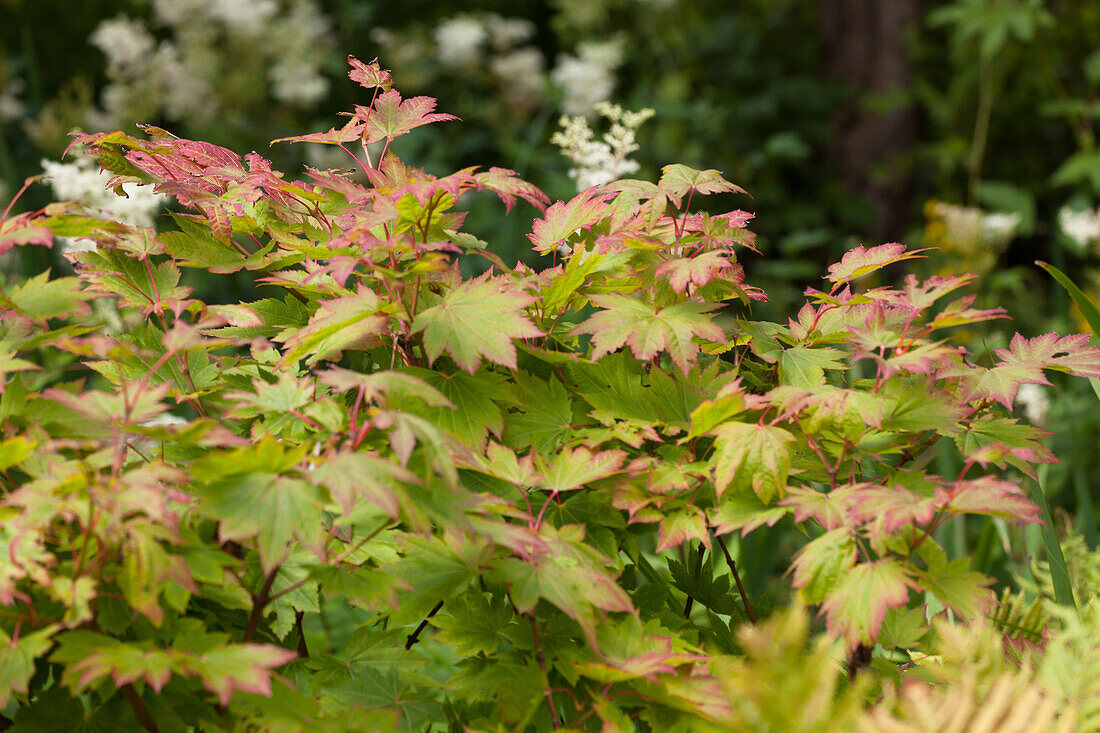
(737, 578)
(259, 602)
(415, 636)
(140, 711)
(542, 666)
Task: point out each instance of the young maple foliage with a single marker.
(499, 502)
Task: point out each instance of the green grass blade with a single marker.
(1059, 574)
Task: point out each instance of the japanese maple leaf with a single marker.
(369, 75)
(677, 179)
(751, 455)
(991, 496)
(648, 330)
(391, 117)
(860, 261)
(1023, 362)
(856, 608)
(477, 319)
(566, 217)
(698, 270)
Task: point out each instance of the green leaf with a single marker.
(858, 605)
(40, 298)
(860, 261)
(273, 509)
(17, 659)
(545, 414)
(474, 624)
(475, 320)
(677, 179)
(351, 322)
(804, 367)
(750, 455)
(231, 667)
(572, 468)
(821, 564)
(648, 330)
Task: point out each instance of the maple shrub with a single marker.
(385, 494)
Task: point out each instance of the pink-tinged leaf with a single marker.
(477, 319)
(919, 295)
(750, 455)
(369, 75)
(999, 454)
(390, 116)
(957, 587)
(697, 271)
(1071, 354)
(353, 478)
(959, 313)
(648, 330)
(677, 180)
(351, 322)
(861, 261)
(243, 667)
(351, 131)
(564, 218)
(681, 524)
(821, 563)
(125, 664)
(572, 468)
(891, 507)
(23, 229)
(507, 185)
(567, 573)
(831, 509)
(1023, 362)
(743, 512)
(990, 496)
(17, 658)
(855, 609)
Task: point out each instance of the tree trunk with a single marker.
(864, 42)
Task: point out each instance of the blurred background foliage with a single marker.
(964, 125)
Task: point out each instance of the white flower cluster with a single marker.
(1082, 227)
(180, 77)
(82, 180)
(1032, 399)
(589, 77)
(127, 43)
(598, 162)
(969, 227)
(459, 40)
(11, 107)
(244, 17)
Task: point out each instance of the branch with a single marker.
(737, 578)
(259, 602)
(415, 635)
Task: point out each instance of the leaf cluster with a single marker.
(384, 494)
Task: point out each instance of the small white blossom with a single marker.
(11, 107)
(179, 12)
(598, 162)
(127, 44)
(459, 40)
(1082, 227)
(81, 180)
(506, 33)
(520, 74)
(187, 93)
(1032, 399)
(587, 78)
(970, 227)
(243, 17)
(297, 83)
